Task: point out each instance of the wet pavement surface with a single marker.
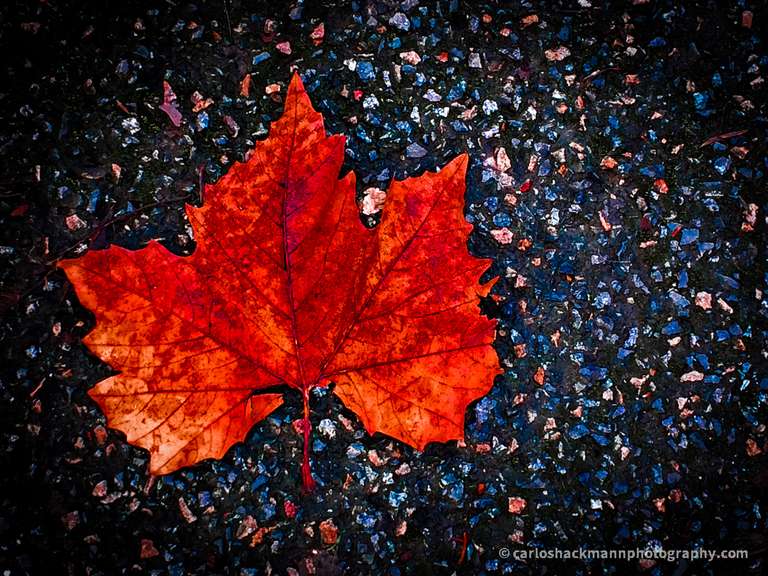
(617, 178)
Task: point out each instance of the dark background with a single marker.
(601, 462)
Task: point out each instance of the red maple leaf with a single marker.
(286, 286)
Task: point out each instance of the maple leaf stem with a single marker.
(306, 473)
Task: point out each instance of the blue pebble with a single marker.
(267, 511)
(202, 121)
(365, 71)
(492, 203)
(680, 301)
(457, 91)
(258, 482)
(366, 520)
(396, 498)
(502, 219)
(671, 329)
(578, 431)
(602, 300)
(722, 164)
(456, 491)
(620, 488)
(260, 57)
(689, 236)
(700, 100)
(403, 126)
(623, 353)
(600, 439)
(94, 200)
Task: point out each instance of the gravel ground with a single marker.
(618, 157)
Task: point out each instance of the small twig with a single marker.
(100, 228)
(723, 136)
(37, 388)
(201, 182)
(464, 545)
(229, 22)
(591, 75)
(151, 480)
